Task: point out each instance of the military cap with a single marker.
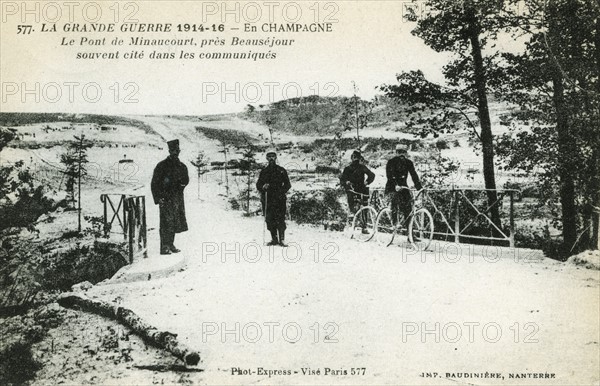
(173, 145)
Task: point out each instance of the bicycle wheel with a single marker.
(363, 224)
(384, 227)
(420, 229)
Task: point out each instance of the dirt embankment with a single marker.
(51, 344)
(36, 263)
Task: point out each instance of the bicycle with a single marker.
(420, 225)
(363, 221)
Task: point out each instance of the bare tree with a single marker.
(357, 114)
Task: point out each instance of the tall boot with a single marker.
(165, 241)
(274, 240)
(282, 237)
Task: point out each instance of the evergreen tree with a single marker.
(200, 164)
(248, 165)
(75, 161)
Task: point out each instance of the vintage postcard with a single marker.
(306, 192)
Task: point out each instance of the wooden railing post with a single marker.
(512, 220)
(144, 229)
(457, 217)
(106, 226)
(598, 230)
(125, 220)
(131, 228)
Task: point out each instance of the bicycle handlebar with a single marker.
(401, 188)
(357, 193)
(419, 192)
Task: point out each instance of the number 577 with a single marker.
(358, 370)
(24, 29)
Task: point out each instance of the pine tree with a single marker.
(248, 165)
(200, 164)
(75, 161)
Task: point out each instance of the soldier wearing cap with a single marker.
(353, 180)
(273, 184)
(397, 171)
(168, 181)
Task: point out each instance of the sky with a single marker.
(39, 71)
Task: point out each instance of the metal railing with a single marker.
(459, 231)
(452, 224)
(129, 212)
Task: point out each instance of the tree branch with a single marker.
(162, 339)
(468, 120)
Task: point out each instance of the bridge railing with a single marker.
(465, 213)
(128, 214)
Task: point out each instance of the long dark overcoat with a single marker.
(168, 181)
(275, 199)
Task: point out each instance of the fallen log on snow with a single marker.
(162, 339)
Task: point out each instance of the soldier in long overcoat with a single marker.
(273, 184)
(168, 181)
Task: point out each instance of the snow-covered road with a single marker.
(328, 302)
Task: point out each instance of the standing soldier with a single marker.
(397, 170)
(168, 181)
(273, 184)
(353, 179)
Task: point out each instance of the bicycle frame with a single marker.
(414, 207)
(363, 219)
(417, 224)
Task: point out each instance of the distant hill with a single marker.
(231, 137)
(301, 116)
(20, 119)
(316, 115)
(321, 116)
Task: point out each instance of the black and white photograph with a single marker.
(308, 192)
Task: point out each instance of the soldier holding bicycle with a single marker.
(397, 171)
(353, 181)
